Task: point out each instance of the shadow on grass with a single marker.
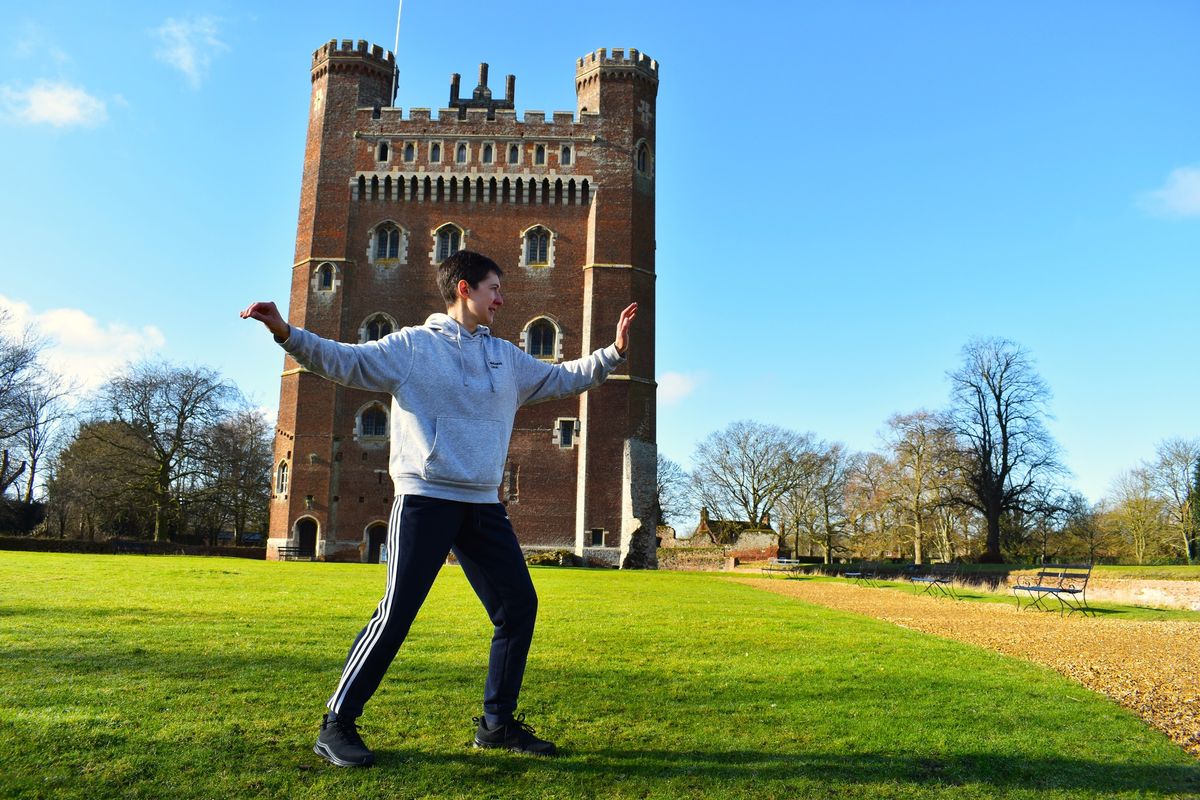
(826, 768)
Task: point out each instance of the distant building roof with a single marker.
(727, 531)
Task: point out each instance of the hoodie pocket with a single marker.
(466, 452)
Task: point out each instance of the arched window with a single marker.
(387, 242)
(435, 152)
(383, 151)
(537, 247)
(281, 479)
(487, 154)
(514, 154)
(461, 155)
(377, 327)
(565, 158)
(539, 155)
(373, 421)
(325, 277)
(540, 339)
(449, 242)
(643, 159)
(410, 152)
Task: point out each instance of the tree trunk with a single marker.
(992, 553)
(917, 555)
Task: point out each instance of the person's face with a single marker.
(484, 299)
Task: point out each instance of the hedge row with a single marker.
(126, 546)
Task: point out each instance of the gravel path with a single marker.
(1152, 668)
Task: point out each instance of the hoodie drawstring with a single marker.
(462, 359)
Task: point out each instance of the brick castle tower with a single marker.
(564, 205)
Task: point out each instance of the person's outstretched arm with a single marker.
(378, 366)
(538, 381)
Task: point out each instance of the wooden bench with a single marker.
(1066, 583)
(293, 553)
(938, 579)
(788, 565)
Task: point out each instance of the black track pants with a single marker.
(421, 532)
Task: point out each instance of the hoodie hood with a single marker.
(447, 326)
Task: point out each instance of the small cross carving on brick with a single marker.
(644, 109)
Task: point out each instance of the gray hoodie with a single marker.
(454, 397)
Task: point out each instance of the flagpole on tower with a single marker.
(396, 53)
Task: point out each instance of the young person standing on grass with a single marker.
(455, 391)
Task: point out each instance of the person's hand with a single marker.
(269, 315)
(623, 327)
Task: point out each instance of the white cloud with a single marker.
(79, 347)
(189, 46)
(52, 103)
(674, 386)
(1178, 197)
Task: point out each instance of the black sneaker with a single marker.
(513, 735)
(340, 744)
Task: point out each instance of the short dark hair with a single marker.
(464, 266)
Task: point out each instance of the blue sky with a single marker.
(847, 192)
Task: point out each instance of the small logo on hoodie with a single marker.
(495, 364)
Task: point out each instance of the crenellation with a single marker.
(418, 114)
(535, 118)
(347, 50)
(447, 115)
(563, 118)
(634, 59)
(477, 115)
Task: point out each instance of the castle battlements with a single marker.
(393, 121)
(600, 59)
(357, 51)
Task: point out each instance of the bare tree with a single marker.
(797, 506)
(1083, 530)
(998, 407)
(45, 411)
(1138, 511)
(1172, 473)
(171, 409)
(18, 371)
(824, 517)
(742, 471)
(1047, 511)
(237, 472)
(671, 490)
(870, 506)
(922, 446)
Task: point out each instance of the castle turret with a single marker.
(345, 77)
(621, 89)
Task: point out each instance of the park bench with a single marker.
(788, 565)
(1066, 583)
(129, 546)
(293, 553)
(938, 579)
(864, 574)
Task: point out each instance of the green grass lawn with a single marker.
(157, 677)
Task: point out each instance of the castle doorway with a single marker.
(306, 537)
(376, 536)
